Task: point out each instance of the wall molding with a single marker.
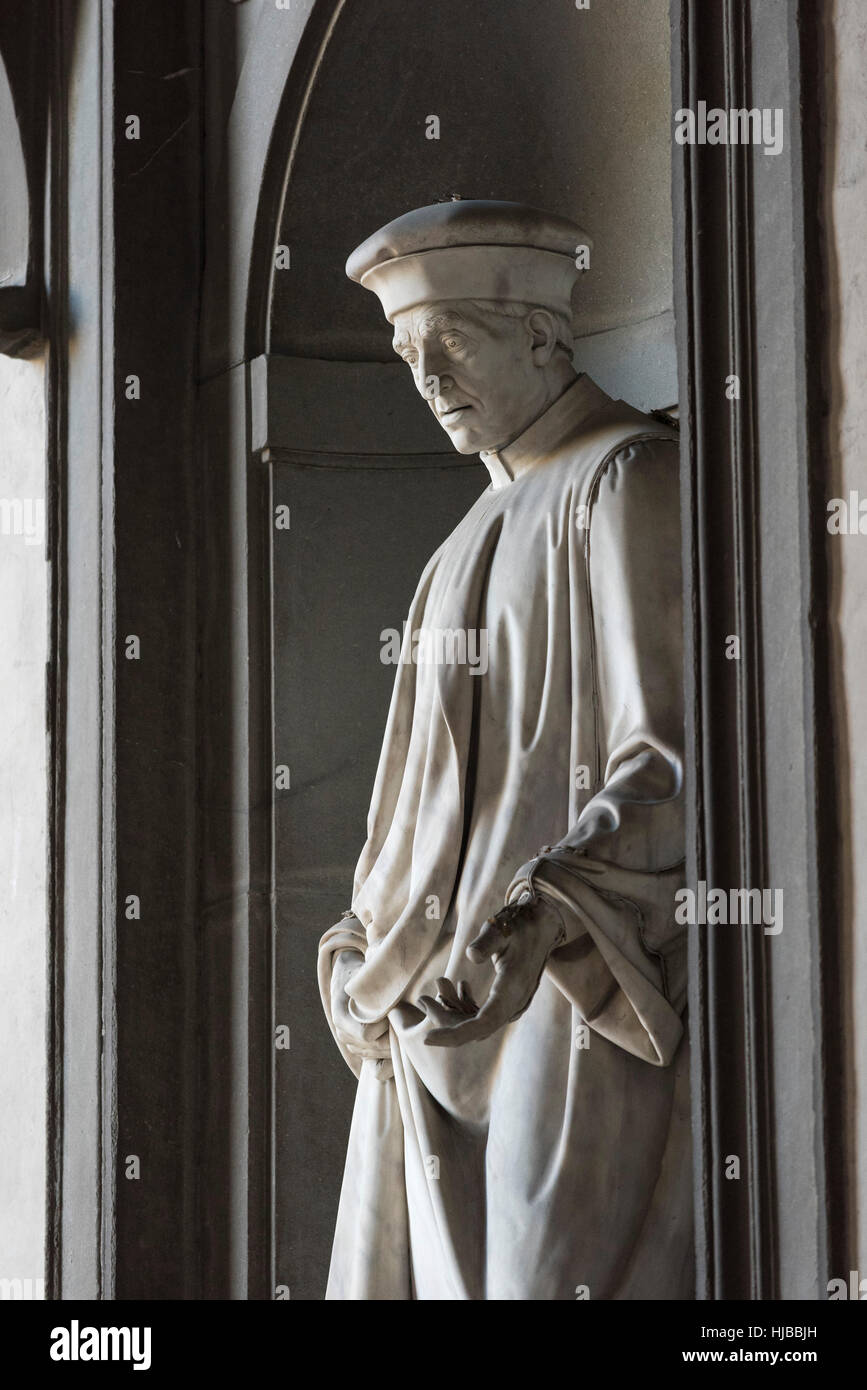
(757, 793)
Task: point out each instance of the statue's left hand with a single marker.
(519, 940)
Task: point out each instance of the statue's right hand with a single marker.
(369, 1041)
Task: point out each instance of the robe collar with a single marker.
(561, 421)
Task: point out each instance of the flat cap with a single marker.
(471, 250)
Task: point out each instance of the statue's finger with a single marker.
(470, 1030)
(459, 999)
(381, 1047)
(368, 1051)
(452, 1035)
(349, 1029)
(468, 1003)
(436, 1011)
(371, 1028)
(498, 1009)
(447, 994)
(505, 1001)
(373, 1031)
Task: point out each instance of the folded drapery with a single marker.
(534, 1161)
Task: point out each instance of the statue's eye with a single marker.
(452, 343)
(411, 359)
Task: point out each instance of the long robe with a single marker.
(552, 1160)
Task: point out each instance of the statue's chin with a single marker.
(467, 442)
(467, 446)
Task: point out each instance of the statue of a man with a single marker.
(509, 983)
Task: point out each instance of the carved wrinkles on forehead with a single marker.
(427, 325)
(436, 323)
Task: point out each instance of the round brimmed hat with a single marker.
(471, 250)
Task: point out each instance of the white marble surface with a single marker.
(509, 983)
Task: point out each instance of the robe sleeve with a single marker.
(346, 935)
(615, 873)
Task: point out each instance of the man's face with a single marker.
(476, 370)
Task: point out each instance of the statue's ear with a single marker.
(543, 334)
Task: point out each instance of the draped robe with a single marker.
(552, 1160)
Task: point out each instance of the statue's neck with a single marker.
(560, 376)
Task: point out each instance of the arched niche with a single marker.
(305, 407)
(561, 108)
(565, 109)
(264, 61)
(323, 140)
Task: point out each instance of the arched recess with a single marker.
(303, 408)
(277, 56)
(261, 63)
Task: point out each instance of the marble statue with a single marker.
(509, 983)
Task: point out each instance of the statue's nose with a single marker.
(431, 385)
(431, 362)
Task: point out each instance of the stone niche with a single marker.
(545, 104)
(564, 109)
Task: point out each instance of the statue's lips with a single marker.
(451, 416)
